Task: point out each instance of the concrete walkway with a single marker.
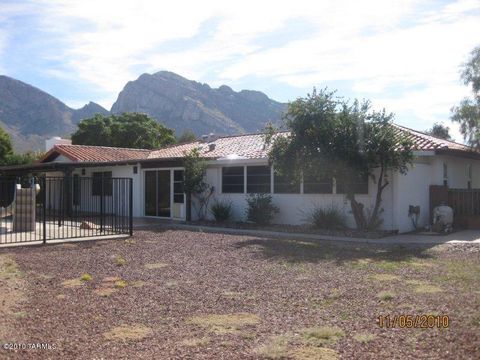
(460, 237)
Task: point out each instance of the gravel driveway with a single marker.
(177, 294)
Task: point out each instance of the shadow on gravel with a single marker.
(297, 251)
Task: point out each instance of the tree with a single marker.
(467, 113)
(6, 149)
(130, 130)
(195, 168)
(330, 137)
(187, 136)
(440, 131)
(28, 157)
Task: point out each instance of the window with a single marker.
(317, 185)
(178, 197)
(102, 180)
(282, 185)
(76, 190)
(358, 184)
(258, 179)
(233, 180)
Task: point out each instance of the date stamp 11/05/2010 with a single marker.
(414, 321)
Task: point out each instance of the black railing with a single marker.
(51, 208)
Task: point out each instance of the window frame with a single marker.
(242, 176)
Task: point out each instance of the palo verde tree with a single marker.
(129, 130)
(193, 180)
(330, 137)
(467, 113)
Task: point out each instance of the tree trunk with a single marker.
(378, 198)
(357, 211)
(188, 206)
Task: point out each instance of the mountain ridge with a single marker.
(30, 115)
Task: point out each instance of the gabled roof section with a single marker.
(424, 142)
(250, 146)
(80, 153)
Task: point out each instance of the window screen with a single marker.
(282, 185)
(232, 180)
(317, 185)
(258, 179)
(178, 197)
(359, 185)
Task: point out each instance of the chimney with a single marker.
(211, 146)
(56, 140)
(208, 138)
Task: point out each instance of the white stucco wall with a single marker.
(295, 208)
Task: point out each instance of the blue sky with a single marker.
(402, 55)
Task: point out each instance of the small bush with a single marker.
(330, 218)
(120, 260)
(222, 210)
(86, 277)
(260, 208)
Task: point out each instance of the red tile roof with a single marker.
(250, 146)
(95, 153)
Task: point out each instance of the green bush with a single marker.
(330, 218)
(221, 210)
(260, 208)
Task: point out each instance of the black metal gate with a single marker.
(53, 208)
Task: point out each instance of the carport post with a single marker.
(130, 205)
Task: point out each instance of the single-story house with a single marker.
(238, 165)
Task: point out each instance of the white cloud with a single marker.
(403, 54)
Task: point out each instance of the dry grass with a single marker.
(322, 335)
(275, 348)
(386, 295)
(384, 277)
(11, 295)
(128, 332)
(71, 283)
(86, 277)
(120, 260)
(196, 342)
(224, 323)
(120, 284)
(313, 353)
(364, 337)
(155, 266)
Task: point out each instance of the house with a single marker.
(238, 165)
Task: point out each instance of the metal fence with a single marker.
(465, 202)
(52, 208)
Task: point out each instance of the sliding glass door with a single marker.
(158, 193)
(164, 194)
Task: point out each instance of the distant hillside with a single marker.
(181, 104)
(30, 115)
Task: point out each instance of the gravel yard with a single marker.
(176, 294)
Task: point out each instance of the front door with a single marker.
(157, 193)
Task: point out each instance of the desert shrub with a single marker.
(260, 208)
(221, 210)
(330, 218)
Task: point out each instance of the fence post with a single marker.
(102, 180)
(130, 205)
(44, 210)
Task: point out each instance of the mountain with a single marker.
(182, 104)
(30, 115)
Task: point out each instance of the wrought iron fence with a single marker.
(51, 208)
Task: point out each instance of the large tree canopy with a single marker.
(330, 137)
(440, 131)
(6, 149)
(467, 113)
(130, 130)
